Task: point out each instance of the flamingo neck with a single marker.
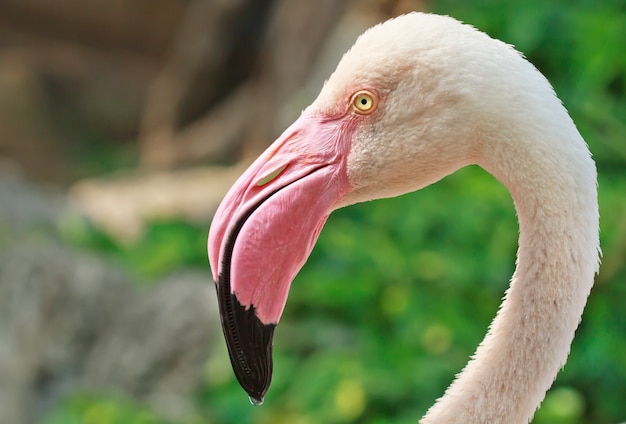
(553, 184)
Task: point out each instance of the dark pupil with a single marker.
(363, 102)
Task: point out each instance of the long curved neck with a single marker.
(553, 183)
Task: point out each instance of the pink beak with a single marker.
(265, 229)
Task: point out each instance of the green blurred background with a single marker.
(397, 293)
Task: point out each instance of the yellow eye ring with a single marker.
(363, 102)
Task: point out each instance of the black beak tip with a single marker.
(255, 384)
(249, 343)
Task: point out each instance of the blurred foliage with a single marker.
(398, 293)
(101, 409)
(165, 246)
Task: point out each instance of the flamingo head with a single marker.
(395, 116)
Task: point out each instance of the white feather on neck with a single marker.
(552, 180)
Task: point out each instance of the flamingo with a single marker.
(415, 99)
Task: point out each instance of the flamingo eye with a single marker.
(363, 102)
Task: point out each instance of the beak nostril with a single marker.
(271, 176)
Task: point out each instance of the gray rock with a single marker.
(71, 320)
